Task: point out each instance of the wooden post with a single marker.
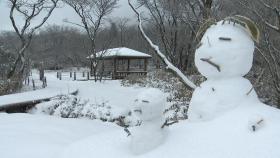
(128, 65)
(91, 68)
(87, 75)
(60, 75)
(71, 74)
(145, 64)
(28, 80)
(57, 74)
(41, 74)
(33, 84)
(75, 77)
(115, 69)
(45, 81)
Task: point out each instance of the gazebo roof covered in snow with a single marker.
(121, 52)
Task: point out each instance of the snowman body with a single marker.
(225, 55)
(148, 107)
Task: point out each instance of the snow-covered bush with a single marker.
(14, 83)
(70, 106)
(179, 95)
(8, 86)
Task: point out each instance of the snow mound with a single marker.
(226, 136)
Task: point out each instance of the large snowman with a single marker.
(224, 56)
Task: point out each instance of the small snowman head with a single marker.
(226, 50)
(149, 104)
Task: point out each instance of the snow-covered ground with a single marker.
(228, 135)
(32, 136)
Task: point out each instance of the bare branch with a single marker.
(170, 66)
(267, 23)
(29, 11)
(92, 14)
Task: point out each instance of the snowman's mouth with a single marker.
(208, 60)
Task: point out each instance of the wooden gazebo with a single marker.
(121, 62)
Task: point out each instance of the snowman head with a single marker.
(149, 104)
(225, 50)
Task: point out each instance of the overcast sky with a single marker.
(62, 13)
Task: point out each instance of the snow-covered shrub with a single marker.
(70, 106)
(8, 86)
(179, 95)
(61, 105)
(13, 83)
(100, 111)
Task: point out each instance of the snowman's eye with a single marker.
(224, 38)
(145, 101)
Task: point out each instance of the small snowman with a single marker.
(148, 107)
(224, 56)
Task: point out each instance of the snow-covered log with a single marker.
(23, 106)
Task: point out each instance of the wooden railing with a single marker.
(123, 74)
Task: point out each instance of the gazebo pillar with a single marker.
(115, 68)
(128, 65)
(145, 64)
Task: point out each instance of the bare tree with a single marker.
(271, 55)
(29, 11)
(176, 23)
(272, 7)
(92, 14)
(59, 46)
(267, 13)
(122, 26)
(169, 65)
